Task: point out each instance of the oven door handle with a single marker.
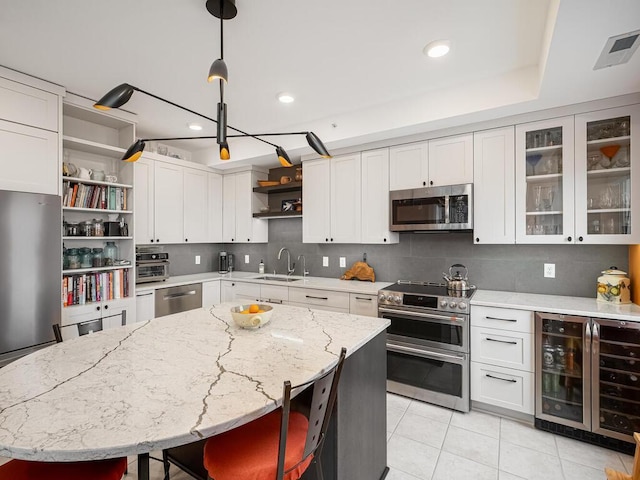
(424, 353)
(158, 263)
(430, 316)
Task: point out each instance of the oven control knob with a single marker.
(444, 303)
(453, 304)
(382, 298)
(397, 300)
(462, 306)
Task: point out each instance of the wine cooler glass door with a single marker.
(563, 358)
(616, 378)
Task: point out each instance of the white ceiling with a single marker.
(356, 67)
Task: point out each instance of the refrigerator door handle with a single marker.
(587, 335)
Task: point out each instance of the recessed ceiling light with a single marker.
(195, 126)
(285, 97)
(437, 49)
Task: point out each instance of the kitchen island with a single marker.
(176, 379)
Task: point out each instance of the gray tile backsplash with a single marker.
(420, 256)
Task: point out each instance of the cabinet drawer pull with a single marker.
(368, 299)
(269, 300)
(178, 295)
(500, 341)
(510, 380)
(502, 319)
(317, 298)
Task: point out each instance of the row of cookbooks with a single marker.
(104, 197)
(95, 287)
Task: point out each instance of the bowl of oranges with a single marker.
(251, 316)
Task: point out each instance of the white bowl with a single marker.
(251, 320)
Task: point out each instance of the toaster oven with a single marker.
(152, 267)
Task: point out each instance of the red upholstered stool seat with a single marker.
(251, 451)
(112, 469)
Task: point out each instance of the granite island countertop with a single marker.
(321, 283)
(165, 382)
(582, 306)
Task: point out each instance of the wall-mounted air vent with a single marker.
(618, 50)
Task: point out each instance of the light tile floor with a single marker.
(426, 442)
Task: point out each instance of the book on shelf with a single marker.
(82, 289)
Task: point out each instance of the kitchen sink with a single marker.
(276, 278)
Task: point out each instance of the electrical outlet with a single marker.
(343, 262)
(246, 259)
(325, 261)
(550, 270)
(197, 259)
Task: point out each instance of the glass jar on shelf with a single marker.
(98, 257)
(110, 253)
(73, 258)
(98, 227)
(72, 229)
(86, 257)
(86, 228)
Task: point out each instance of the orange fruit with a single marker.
(254, 309)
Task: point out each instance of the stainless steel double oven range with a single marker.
(427, 342)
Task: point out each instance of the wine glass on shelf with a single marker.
(532, 161)
(609, 151)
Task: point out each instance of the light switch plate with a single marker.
(325, 261)
(197, 259)
(550, 270)
(246, 259)
(343, 262)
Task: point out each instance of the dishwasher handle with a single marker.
(171, 296)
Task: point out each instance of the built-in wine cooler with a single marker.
(588, 378)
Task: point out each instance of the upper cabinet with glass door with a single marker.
(544, 181)
(607, 178)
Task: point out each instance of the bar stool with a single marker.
(111, 469)
(635, 473)
(280, 445)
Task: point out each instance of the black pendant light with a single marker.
(118, 96)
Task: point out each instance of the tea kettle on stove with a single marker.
(457, 281)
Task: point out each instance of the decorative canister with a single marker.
(614, 286)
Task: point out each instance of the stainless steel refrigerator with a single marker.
(30, 266)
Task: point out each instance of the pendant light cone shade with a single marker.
(219, 71)
(134, 152)
(315, 143)
(116, 97)
(285, 161)
(225, 154)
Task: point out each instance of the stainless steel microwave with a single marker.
(432, 208)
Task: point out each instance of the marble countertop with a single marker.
(586, 307)
(165, 382)
(322, 283)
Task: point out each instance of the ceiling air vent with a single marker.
(618, 50)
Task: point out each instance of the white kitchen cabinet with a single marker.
(241, 292)
(196, 183)
(502, 358)
(26, 105)
(409, 166)
(29, 158)
(168, 203)
(274, 293)
(361, 304)
(494, 186)
(451, 160)
(214, 200)
(375, 198)
(84, 319)
(438, 162)
(607, 182)
(210, 293)
(239, 201)
(321, 299)
(332, 200)
(145, 306)
(144, 197)
(545, 181)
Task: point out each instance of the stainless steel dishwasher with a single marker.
(178, 299)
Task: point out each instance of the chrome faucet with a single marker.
(290, 269)
(305, 272)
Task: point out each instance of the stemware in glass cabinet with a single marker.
(609, 176)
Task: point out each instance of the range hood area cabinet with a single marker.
(239, 201)
(176, 204)
(436, 163)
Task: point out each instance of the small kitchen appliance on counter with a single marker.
(225, 262)
(428, 342)
(151, 265)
